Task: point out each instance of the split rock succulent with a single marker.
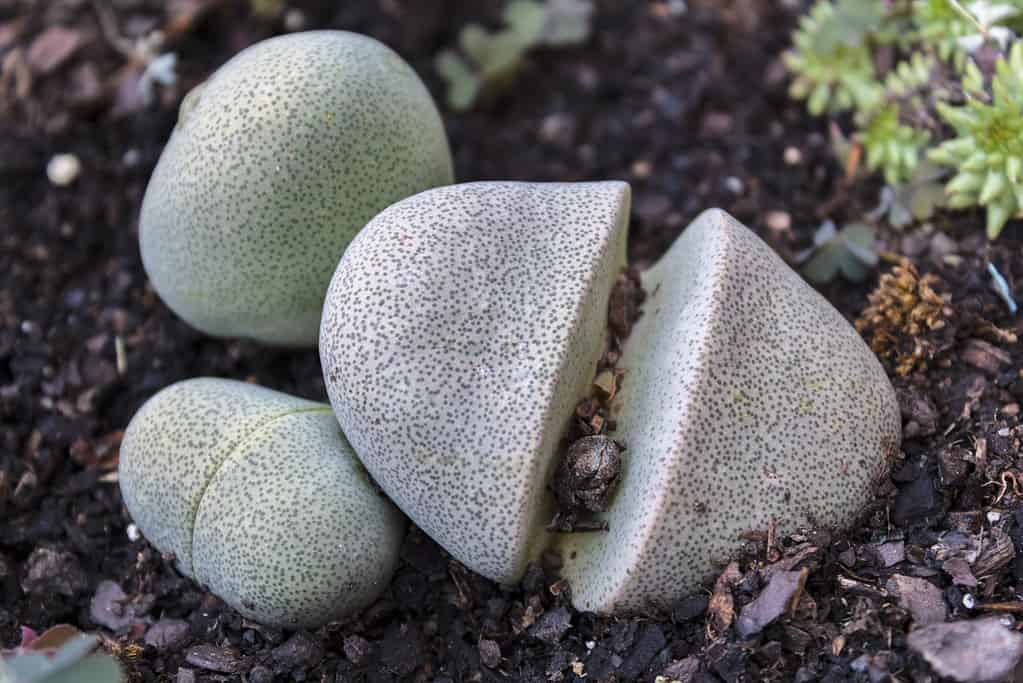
(464, 324)
(276, 162)
(747, 397)
(259, 498)
(460, 330)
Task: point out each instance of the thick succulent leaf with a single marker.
(35, 665)
(239, 480)
(458, 308)
(744, 385)
(98, 668)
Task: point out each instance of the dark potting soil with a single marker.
(691, 109)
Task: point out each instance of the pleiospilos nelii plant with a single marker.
(277, 160)
(464, 324)
(259, 498)
(461, 329)
(909, 73)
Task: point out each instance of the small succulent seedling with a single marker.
(849, 251)
(259, 498)
(914, 200)
(275, 163)
(464, 324)
(491, 59)
(61, 654)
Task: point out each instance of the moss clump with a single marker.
(906, 320)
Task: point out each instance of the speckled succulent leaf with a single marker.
(746, 397)
(461, 328)
(261, 499)
(275, 164)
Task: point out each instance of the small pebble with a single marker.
(1011, 410)
(792, 156)
(734, 185)
(133, 533)
(294, 20)
(641, 169)
(110, 607)
(490, 653)
(213, 658)
(356, 649)
(552, 626)
(260, 674)
(63, 169)
(298, 652)
(167, 634)
(778, 221)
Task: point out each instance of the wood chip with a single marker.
(52, 48)
(721, 609)
(607, 383)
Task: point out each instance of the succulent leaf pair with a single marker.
(461, 328)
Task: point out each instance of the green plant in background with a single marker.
(62, 654)
(987, 150)
(489, 60)
(891, 146)
(906, 71)
(831, 62)
(914, 200)
(849, 251)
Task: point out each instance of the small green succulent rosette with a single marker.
(987, 150)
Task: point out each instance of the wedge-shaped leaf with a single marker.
(746, 397)
(459, 332)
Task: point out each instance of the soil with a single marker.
(691, 109)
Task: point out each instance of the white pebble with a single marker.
(734, 185)
(133, 533)
(793, 156)
(294, 20)
(63, 169)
